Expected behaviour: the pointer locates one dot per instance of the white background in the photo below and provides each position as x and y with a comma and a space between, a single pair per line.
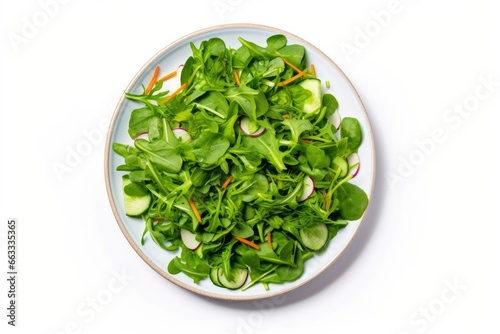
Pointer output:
432, 228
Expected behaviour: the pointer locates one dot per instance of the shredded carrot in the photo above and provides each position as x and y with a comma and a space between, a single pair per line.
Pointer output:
227, 182
269, 240
305, 141
286, 116
295, 77
153, 80
168, 76
327, 204
195, 210
313, 71
176, 92
293, 66
236, 77
248, 242
159, 219
324, 194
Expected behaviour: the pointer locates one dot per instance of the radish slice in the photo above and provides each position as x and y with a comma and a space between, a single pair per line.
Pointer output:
181, 134
189, 239
336, 119
245, 124
307, 190
353, 161
143, 135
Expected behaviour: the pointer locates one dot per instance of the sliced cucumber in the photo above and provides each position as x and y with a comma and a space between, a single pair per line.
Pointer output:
341, 163
214, 276
134, 205
313, 103
239, 278
314, 237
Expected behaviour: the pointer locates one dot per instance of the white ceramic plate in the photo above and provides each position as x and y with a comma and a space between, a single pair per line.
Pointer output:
169, 58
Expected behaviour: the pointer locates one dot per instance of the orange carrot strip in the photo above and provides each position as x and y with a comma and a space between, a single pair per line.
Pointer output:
305, 141
269, 240
227, 182
168, 76
195, 210
184, 85
324, 194
286, 116
159, 219
327, 204
295, 77
313, 71
247, 242
236, 77
153, 80
293, 66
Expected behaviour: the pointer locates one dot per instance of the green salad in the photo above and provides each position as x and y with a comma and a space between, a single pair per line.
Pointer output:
244, 168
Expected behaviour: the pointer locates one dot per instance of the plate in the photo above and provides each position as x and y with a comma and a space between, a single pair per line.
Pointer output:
176, 53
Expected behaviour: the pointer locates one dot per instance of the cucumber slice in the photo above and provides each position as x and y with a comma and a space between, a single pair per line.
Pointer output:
239, 278
314, 237
134, 205
214, 276
313, 103
341, 163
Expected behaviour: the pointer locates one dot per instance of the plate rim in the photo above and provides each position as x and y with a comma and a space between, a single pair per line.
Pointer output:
108, 144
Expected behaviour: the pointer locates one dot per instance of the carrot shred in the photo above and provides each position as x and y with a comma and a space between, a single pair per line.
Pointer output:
305, 141
269, 240
327, 204
184, 85
313, 71
153, 80
227, 182
324, 194
195, 210
248, 242
286, 116
159, 219
293, 66
236, 77
168, 76
295, 77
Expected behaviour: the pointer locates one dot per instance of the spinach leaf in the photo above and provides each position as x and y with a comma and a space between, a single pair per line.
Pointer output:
161, 154
353, 201
351, 130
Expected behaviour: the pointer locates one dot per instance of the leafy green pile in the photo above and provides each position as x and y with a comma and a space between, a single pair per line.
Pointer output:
223, 183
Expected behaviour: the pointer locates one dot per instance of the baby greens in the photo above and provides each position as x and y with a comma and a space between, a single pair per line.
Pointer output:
241, 194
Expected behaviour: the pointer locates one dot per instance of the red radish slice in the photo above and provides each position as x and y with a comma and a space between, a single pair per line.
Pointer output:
307, 190
181, 134
143, 135
336, 119
189, 239
353, 161
245, 124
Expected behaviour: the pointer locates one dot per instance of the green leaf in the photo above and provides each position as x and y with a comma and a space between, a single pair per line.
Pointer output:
351, 130
353, 201
209, 148
297, 127
161, 154
139, 121
266, 145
